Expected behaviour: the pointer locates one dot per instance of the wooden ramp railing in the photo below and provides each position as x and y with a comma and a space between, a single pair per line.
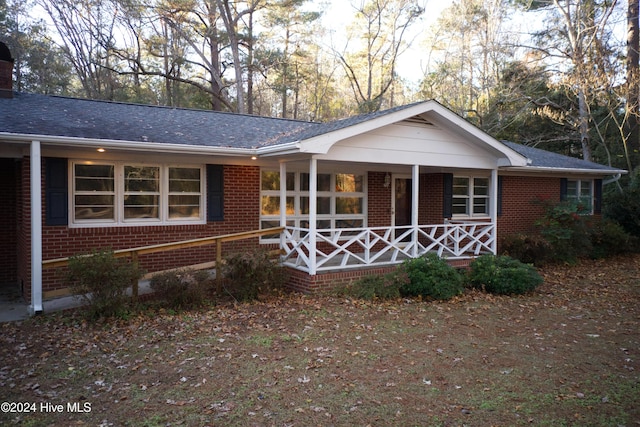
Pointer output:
135, 253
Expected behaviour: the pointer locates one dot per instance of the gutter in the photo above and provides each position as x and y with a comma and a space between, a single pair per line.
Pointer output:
64, 141
565, 170
273, 150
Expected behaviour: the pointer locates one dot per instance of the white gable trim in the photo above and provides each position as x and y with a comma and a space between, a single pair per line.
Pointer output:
433, 112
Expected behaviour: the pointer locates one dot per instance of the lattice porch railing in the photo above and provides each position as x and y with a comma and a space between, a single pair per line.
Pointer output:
345, 248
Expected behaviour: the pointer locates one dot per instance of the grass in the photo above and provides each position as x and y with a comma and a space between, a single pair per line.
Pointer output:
566, 355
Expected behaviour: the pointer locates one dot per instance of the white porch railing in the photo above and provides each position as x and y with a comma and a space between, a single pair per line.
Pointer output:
345, 248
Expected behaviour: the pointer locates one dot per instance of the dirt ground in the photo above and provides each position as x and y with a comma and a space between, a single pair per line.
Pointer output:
566, 355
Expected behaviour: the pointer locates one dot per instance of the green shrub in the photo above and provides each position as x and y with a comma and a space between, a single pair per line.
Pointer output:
247, 274
431, 276
624, 207
610, 238
101, 281
528, 248
182, 289
377, 286
566, 230
503, 275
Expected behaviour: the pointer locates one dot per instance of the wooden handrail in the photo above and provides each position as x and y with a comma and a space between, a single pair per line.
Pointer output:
134, 253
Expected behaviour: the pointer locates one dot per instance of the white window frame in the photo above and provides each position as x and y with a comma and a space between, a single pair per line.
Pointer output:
577, 197
298, 219
119, 196
470, 197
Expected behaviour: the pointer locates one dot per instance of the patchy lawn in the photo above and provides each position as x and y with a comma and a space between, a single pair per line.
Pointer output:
569, 354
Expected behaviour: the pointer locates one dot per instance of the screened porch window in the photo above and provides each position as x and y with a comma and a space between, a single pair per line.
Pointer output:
340, 200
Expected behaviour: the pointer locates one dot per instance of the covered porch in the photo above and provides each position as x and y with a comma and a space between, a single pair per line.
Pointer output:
403, 214
416, 180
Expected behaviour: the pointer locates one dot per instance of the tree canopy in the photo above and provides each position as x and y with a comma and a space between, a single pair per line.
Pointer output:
560, 75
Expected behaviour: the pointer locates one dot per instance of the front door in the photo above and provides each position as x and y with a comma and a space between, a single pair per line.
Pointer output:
401, 201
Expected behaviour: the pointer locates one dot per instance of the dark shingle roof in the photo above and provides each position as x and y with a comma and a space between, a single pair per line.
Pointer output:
322, 128
34, 114
81, 118
547, 159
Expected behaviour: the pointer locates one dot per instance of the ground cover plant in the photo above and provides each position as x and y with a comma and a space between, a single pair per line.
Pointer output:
565, 354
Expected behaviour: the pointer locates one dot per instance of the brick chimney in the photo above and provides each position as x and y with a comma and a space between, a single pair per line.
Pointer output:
6, 72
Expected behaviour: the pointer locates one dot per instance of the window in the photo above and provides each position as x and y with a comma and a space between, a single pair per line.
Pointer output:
340, 200
470, 196
580, 192
119, 193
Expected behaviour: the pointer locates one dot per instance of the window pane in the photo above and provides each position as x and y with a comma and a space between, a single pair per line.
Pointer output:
349, 223
184, 206
585, 189
324, 205
270, 205
304, 182
94, 207
141, 206
348, 205
481, 187
323, 224
572, 188
291, 181
460, 186
324, 182
460, 206
480, 205
348, 183
94, 177
184, 180
270, 180
141, 179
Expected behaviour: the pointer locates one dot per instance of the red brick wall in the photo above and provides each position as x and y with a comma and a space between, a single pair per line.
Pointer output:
241, 213
378, 200
520, 202
8, 222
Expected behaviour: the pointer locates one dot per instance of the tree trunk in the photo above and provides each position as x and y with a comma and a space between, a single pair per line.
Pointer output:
633, 83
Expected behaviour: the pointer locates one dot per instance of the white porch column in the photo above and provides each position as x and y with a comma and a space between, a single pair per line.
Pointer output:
494, 210
415, 199
36, 230
313, 207
283, 200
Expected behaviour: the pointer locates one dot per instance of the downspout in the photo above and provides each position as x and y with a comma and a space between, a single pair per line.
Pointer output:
613, 179
36, 230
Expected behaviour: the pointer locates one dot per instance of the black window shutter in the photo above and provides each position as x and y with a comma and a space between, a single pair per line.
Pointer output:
215, 193
563, 189
447, 195
597, 196
56, 192
499, 196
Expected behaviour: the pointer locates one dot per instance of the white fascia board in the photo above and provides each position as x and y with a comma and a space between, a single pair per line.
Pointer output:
155, 147
449, 118
564, 171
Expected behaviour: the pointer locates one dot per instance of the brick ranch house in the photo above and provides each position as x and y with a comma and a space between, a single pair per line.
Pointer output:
355, 195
